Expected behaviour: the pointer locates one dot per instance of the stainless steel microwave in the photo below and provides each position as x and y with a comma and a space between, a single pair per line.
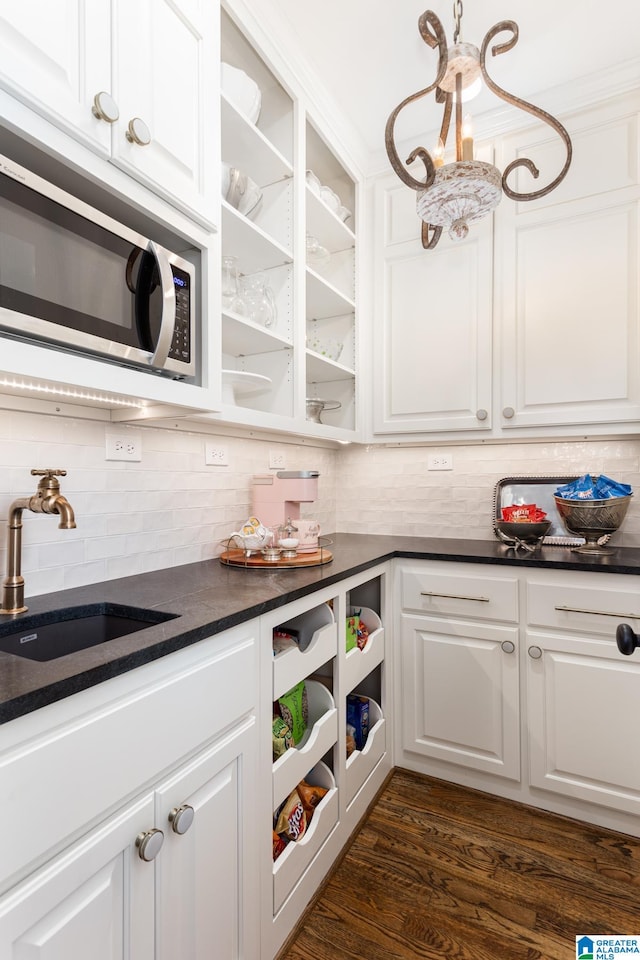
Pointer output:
70, 276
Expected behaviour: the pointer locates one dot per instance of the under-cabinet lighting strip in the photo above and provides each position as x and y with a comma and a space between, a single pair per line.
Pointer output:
68, 393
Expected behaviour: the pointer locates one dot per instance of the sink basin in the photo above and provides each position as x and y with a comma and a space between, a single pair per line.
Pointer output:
47, 636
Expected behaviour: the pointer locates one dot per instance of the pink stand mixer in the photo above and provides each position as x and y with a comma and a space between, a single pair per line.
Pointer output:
276, 498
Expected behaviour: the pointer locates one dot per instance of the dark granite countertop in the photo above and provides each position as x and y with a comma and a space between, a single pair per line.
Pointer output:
209, 598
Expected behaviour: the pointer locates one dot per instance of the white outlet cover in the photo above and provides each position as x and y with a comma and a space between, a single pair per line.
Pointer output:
123, 446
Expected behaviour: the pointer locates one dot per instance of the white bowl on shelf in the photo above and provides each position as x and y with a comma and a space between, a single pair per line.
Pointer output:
241, 90
313, 183
330, 199
239, 383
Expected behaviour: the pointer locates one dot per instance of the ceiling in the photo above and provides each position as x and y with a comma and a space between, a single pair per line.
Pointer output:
369, 54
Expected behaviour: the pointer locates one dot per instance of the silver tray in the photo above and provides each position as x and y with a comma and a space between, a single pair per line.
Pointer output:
538, 490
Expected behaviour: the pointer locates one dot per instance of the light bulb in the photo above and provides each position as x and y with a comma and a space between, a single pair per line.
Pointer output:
467, 138
438, 153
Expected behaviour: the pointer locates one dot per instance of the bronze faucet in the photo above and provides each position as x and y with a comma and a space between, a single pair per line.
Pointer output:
47, 499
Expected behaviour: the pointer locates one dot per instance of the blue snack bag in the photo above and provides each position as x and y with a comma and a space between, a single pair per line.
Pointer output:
580, 489
606, 488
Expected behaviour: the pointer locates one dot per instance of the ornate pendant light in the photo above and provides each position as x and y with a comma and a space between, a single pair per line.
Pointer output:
455, 194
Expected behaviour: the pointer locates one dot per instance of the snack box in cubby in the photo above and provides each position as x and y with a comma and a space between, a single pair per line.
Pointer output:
360, 663
320, 736
362, 763
298, 855
317, 638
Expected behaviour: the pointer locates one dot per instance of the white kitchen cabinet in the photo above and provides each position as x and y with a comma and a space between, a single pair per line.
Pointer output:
567, 279
269, 371
582, 692
530, 327
433, 323
289, 882
177, 740
459, 673
150, 61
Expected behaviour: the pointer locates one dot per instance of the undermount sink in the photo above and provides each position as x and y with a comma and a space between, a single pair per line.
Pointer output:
47, 636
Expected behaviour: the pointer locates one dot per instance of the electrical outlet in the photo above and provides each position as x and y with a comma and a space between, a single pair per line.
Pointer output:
123, 446
277, 460
215, 455
439, 461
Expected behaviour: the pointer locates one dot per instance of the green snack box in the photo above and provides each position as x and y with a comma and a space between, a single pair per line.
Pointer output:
353, 624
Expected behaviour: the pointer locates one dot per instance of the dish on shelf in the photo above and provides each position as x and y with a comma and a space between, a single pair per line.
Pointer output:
331, 348
239, 190
313, 183
241, 90
344, 213
239, 383
330, 199
316, 407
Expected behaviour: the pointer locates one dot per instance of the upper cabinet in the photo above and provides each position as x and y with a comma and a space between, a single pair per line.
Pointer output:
530, 326
288, 292
134, 82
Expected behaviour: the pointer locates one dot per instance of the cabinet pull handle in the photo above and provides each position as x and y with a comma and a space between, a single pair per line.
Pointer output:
481, 414
508, 413
599, 613
453, 596
535, 653
149, 844
105, 108
181, 818
138, 132
508, 646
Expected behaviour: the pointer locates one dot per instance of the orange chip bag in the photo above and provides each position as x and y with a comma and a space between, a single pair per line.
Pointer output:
520, 513
292, 820
310, 795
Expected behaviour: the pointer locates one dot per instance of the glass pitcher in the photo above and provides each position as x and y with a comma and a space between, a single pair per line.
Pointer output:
231, 299
257, 297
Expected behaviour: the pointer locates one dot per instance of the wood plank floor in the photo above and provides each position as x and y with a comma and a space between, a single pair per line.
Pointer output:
440, 871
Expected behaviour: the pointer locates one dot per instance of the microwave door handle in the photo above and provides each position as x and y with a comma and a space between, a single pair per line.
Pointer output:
168, 318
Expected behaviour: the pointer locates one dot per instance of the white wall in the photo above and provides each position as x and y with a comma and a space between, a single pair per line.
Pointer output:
389, 490
171, 509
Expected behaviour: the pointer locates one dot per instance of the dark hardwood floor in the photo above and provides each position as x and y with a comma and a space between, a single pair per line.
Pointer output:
440, 871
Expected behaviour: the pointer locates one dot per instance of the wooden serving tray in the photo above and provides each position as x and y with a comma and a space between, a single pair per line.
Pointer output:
237, 558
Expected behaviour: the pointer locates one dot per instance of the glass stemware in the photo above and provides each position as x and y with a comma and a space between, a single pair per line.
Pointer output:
231, 299
257, 297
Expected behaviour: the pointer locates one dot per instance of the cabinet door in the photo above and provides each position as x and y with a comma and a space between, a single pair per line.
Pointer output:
164, 74
432, 349
56, 58
460, 699
583, 700
567, 279
96, 899
206, 875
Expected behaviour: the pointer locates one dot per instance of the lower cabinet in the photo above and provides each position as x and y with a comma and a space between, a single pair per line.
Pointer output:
582, 693
172, 871
327, 755
509, 680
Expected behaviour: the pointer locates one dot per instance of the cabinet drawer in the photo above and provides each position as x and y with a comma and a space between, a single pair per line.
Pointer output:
360, 663
361, 763
292, 666
591, 606
482, 596
295, 859
320, 736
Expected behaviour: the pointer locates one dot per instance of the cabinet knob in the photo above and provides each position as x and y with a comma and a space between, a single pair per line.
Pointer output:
104, 107
149, 844
138, 132
626, 639
535, 653
508, 646
508, 413
481, 414
181, 818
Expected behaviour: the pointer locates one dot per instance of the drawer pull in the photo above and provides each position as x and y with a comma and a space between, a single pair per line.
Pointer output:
508, 646
600, 613
535, 653
181, 818
453, 596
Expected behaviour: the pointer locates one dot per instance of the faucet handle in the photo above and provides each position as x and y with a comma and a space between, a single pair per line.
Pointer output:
48, 473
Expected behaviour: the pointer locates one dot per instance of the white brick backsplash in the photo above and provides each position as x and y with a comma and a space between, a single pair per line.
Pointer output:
170, 508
